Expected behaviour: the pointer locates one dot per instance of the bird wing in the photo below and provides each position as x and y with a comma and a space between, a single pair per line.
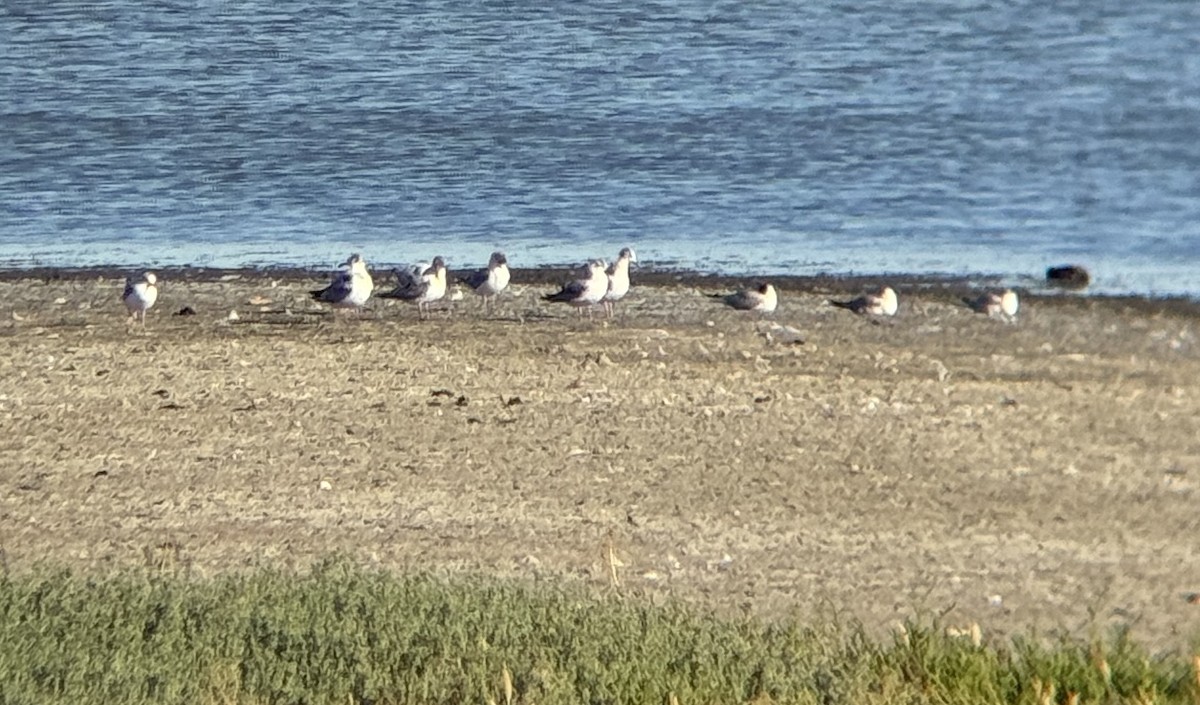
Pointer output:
741, 300
337, 290
858, 305
409, 285
979, 304
476, 279
406, 278
570, 291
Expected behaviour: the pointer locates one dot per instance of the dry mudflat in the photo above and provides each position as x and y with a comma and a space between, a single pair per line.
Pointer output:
1040, 475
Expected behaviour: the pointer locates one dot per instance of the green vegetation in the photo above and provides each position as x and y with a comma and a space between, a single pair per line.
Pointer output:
342, 634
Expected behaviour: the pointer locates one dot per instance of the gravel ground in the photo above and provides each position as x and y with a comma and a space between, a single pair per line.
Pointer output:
1037, 475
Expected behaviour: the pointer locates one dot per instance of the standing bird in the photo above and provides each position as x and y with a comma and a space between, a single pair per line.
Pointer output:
350, 288
881, 303
618, 280
421, 285
761, 297
584, 292
1002, 304
489, 282
139, 296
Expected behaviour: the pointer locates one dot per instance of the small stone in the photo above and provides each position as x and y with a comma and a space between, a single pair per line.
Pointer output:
1070, 276
326, 485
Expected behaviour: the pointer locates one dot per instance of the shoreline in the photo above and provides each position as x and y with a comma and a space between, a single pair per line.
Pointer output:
952, 286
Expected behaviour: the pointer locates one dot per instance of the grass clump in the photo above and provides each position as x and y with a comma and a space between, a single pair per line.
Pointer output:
341, 634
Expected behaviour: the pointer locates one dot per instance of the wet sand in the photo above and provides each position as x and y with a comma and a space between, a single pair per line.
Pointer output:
1038, 475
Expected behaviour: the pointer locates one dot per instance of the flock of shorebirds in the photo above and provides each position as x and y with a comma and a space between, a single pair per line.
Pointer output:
598, 284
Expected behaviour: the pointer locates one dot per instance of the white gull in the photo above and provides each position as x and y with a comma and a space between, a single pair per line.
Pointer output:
880, 303
585, 291
761, 297
998, 304
422, 285
488, 283
350, 287
618, 280
139, 295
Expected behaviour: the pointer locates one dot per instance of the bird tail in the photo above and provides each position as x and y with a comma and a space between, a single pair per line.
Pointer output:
848, 305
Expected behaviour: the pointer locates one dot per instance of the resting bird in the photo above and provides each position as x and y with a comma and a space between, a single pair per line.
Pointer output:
881, 303
140, 295
618, 280
350, 287
761, 297
489, 282
586, 291
422, 285
1002, 304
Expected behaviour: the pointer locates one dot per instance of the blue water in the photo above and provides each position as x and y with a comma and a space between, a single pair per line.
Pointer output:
815, 136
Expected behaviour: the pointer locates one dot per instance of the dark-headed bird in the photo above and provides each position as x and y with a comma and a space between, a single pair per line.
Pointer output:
583, 292
488, 283
879, 303
760, 297
618, 280
139, 295
350, 287
995, 304
421, 285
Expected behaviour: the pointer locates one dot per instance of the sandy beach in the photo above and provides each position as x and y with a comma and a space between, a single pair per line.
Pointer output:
1042, 474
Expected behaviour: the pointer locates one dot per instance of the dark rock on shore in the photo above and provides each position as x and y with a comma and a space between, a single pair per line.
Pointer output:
1071, 276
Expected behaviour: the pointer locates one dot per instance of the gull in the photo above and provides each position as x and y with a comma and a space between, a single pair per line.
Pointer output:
422, 285
618, 280
1002, 304
140, 295
760, 297
881, 303
586, 291
350, 287
489, 282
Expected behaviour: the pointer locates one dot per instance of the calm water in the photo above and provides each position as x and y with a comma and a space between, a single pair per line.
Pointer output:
813, 136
